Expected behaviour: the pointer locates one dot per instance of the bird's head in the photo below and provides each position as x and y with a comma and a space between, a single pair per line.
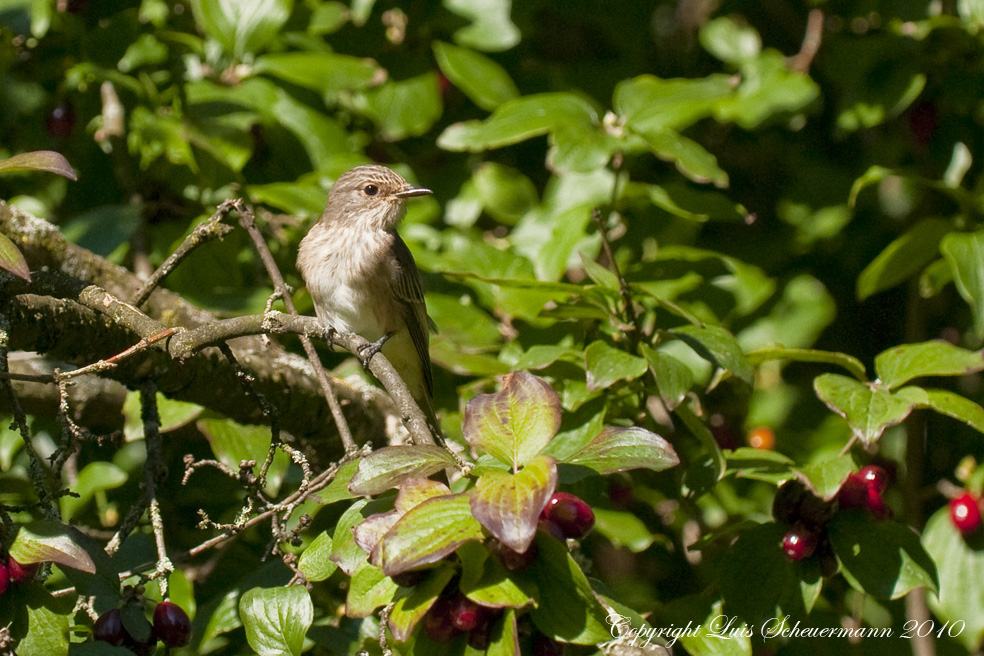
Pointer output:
371, 196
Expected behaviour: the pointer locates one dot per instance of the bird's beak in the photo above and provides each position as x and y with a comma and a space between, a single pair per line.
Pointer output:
410, 192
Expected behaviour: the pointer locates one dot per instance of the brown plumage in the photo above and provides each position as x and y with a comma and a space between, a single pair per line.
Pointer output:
362, 277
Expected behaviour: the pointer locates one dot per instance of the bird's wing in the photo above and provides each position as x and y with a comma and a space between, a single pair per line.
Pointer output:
410, 294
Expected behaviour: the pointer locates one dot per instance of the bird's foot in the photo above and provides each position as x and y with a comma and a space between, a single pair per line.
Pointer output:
367, 351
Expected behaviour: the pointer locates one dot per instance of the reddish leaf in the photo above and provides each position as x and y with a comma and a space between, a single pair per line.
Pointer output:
12, 259
38, 160
515, 424
412, 493
48, 541
509, 505
618, 449
387, 467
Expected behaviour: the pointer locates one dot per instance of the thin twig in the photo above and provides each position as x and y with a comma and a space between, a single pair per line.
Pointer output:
202, 234
154, 471
800, 62
248, 221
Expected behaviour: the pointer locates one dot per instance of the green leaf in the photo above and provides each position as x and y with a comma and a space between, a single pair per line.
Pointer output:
730, 41
327, 73
491, 28
276, 619
623, 529
965, 253
315, 563
509, 505
47, 623
567, 610
487, 84
953, 405
518, 120
768, 89
234, 443
960, 564
600, 274
413, 492
901, 364
49, 541
782, 587
515, 424
649, 103
882, 558
12, 260
691, 159
717, 346
368, 590
673, 378
826, 476
618, 449
849, 362
412, 605
344, 549
408, 108
906, 256
92, 479
242, 26
427, 534
686, 202
606, 365
387, 467
869, 410
495, 587
506, 194
760, 464
38, 160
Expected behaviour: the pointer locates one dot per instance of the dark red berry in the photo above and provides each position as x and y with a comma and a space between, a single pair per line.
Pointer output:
874, 477
853, 493
786, 503
466, 614
923, 121
814, 511
621, 494
437, 622
171, 624
544, 646
21, 573
725, 436
876, 505
571, 514
800, 542
551, 528
109, 628
515, 561
4, 576
965, 513
61, 121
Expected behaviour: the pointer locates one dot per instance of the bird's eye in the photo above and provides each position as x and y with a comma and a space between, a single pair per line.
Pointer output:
371, 190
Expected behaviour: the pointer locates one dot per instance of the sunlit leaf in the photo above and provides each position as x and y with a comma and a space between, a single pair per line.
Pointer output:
276, 619
39, 160
509, 505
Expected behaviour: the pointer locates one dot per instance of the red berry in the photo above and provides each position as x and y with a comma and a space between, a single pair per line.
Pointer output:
800, 542
21, 573
853, 493
481, 636
4, 576
874, 477
965, 513
789, 497
551, 528
762, 437
570, 514
466, 614
171, 624
621, 494
876, 505
109, 628
437, 621
544, 646
514, 560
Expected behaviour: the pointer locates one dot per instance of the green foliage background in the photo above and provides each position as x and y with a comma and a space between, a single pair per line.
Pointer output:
758, 203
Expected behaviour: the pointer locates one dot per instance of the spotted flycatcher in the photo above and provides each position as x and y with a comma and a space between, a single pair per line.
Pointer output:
362, 277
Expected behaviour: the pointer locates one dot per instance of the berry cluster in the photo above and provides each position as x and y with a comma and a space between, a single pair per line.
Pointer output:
171, 626
808, 514
13, 572
965, 513
565, 516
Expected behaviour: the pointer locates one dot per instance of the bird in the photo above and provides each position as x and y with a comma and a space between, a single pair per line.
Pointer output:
363, 279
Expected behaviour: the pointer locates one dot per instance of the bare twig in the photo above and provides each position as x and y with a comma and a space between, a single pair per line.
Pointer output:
153, 473
801, 61
202, 234
248, 221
